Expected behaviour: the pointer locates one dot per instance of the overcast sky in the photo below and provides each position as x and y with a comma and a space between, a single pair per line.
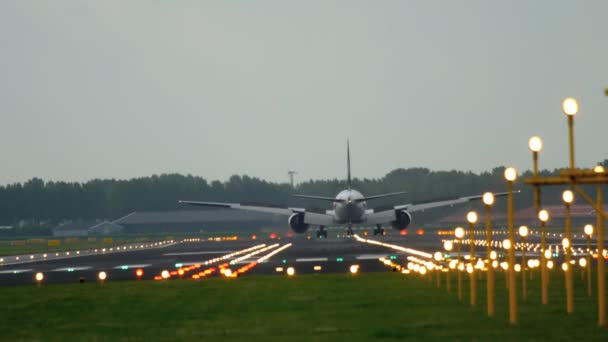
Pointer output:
121, 89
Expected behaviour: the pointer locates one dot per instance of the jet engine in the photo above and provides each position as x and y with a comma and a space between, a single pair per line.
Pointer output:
296, 222
402, 220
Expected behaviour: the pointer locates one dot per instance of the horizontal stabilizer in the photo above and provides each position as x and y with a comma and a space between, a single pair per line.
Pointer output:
380, 196
329, 199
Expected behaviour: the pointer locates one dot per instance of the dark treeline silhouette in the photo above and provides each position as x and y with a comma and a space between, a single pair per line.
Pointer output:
52, 202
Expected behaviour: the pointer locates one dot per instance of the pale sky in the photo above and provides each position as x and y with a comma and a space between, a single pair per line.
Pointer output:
121, 89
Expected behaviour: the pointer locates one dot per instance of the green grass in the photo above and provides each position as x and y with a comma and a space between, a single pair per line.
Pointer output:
7, 249
336, 307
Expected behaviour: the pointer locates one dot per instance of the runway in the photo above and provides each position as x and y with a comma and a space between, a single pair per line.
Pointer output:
333, 255
260, 256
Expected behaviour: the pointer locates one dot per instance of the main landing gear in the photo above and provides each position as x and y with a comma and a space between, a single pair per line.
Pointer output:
379, 230
349, 231
321, 233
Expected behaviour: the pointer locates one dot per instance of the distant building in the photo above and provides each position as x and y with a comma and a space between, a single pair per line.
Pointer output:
74, 228
70, 233
105, 228
199, 221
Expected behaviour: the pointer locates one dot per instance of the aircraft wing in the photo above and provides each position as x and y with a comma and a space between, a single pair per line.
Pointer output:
309, 218
443, 203
387, 216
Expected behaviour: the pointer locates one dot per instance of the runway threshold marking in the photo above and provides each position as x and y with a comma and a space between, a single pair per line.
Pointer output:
185, 270
395, 247
247, 256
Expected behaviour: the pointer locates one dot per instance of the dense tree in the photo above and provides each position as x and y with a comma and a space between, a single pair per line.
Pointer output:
39, 201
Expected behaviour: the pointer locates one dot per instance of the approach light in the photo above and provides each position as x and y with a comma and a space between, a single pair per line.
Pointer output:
102, 276
588, 230
570, 106
291, 271
568, 196
543, 216
547, 254
354, 269
459, 232
165, 274
488, 198
510, 174
438, 256
39, 277
523, 231
599, 169
550, 264
506, 244
517, 268
535, 144
566, 243
472, 217
582, 262
448, 245
493, 255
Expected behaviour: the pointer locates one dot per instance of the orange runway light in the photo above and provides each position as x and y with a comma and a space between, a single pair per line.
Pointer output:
253, 237
139, 273
403, 232
420, 231
272, 236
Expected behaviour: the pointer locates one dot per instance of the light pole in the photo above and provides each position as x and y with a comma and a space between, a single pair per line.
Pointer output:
448, 246
488, 201
601, 290
510, 176
588, 232
506, 244
472, 219
459, 233
535, 144
568, 197
570, 108
438, 256
543, 216
523, 232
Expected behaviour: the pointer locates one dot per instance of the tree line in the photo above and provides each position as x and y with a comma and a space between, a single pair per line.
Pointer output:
46, 201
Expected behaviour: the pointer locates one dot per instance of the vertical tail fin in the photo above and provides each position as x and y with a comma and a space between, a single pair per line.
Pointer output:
348, 183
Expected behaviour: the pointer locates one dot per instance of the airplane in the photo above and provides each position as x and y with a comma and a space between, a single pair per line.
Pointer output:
348, 207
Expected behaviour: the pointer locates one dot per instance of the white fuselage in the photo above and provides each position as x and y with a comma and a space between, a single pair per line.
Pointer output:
349, 207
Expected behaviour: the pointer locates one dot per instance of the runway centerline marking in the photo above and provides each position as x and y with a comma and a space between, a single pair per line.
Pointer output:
71, 269
370, 256
131, 266
16, 271
311, 259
